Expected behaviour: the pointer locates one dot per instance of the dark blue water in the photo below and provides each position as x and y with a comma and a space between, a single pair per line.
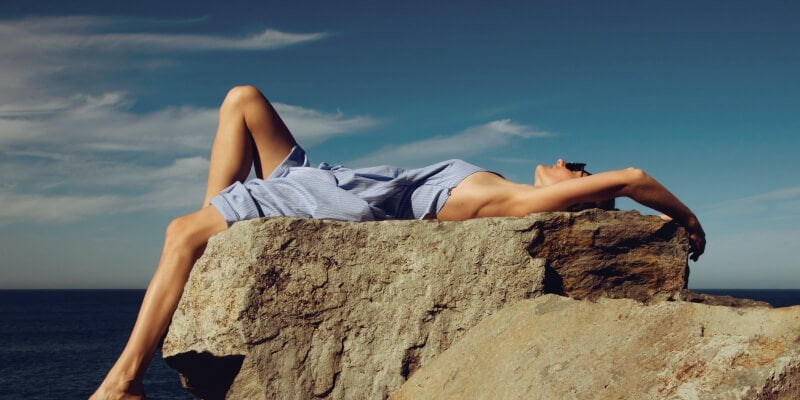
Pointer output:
60, 343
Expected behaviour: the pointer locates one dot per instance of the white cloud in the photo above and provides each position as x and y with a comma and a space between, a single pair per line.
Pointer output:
786, 200
38, 51
104, 123
43, 114
69, 152
39, 208
117, 188
312, 127
470, 141
74, 150
62, 33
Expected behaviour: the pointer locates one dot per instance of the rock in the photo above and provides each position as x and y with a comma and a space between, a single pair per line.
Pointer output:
611, 254
305, 308
716, 300
553, 347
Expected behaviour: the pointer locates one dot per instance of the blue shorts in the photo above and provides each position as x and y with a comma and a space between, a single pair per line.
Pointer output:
337, 192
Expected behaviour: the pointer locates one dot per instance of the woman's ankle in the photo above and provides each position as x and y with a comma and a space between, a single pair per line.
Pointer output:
130, 366
130, 386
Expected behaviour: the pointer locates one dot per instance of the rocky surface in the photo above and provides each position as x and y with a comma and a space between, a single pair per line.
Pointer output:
715, 300
553, 347
303, 308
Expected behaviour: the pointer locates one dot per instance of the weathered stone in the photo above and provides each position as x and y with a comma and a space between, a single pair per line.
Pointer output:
611, 254
716, 300
553, 347
304, 308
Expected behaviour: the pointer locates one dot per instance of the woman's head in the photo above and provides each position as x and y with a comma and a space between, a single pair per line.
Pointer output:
545, 175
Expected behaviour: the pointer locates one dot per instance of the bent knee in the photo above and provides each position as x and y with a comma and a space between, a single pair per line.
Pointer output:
179, 232
242, 94
196, 228
187, 231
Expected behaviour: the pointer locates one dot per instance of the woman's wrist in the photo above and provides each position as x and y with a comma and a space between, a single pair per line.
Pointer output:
692, 224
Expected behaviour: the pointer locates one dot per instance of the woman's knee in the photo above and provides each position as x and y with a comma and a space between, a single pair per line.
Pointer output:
243, 94
179, 233
193, 230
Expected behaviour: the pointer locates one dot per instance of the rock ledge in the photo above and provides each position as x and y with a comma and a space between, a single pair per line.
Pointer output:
304, 308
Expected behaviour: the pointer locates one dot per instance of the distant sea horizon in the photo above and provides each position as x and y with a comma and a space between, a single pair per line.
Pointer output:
69, 338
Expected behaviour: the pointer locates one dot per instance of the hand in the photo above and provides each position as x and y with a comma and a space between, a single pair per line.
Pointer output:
697, 238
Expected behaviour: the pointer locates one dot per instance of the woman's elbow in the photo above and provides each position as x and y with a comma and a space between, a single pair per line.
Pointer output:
633, 178
636, 174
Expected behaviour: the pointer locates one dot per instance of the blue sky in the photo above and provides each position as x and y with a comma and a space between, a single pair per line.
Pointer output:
107, 112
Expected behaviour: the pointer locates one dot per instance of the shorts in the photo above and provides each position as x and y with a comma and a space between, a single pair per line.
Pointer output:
336, 192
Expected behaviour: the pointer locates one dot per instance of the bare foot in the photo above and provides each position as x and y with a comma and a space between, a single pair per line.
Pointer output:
125, 390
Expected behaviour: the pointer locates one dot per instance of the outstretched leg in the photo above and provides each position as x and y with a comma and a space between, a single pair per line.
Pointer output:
184, 243
250, 131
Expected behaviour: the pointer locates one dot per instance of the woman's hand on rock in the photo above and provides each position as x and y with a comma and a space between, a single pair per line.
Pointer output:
697, 238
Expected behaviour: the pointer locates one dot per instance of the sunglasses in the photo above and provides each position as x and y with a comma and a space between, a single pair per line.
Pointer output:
576, 166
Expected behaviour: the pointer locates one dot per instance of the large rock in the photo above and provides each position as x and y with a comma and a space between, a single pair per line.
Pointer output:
304, 308
553, 347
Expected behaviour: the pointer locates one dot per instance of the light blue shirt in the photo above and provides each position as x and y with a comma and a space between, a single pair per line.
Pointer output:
336, 192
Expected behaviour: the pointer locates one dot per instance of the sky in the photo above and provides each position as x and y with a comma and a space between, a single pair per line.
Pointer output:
108, 111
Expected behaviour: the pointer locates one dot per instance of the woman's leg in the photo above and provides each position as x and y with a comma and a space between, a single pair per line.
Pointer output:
250, 131
184, 243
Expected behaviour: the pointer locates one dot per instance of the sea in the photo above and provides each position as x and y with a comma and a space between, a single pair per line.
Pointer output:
59, 344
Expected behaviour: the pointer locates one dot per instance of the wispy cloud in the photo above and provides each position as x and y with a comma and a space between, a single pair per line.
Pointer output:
39, 208
71, 151
62, 33
77, 150
494, 134
786, 199
313, 126
109, 189
104, 123
38, 51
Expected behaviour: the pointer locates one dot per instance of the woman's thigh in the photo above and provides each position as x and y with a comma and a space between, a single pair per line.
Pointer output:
482, 194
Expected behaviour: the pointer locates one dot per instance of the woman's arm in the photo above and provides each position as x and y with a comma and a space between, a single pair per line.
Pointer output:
629, 182
647, 191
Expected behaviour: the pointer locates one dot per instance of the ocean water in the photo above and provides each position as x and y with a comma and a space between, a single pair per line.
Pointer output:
59, 344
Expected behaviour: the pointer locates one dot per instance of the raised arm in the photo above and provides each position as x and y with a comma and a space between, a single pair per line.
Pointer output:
629, 182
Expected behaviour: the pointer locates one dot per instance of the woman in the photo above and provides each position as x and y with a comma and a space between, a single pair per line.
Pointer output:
251, 132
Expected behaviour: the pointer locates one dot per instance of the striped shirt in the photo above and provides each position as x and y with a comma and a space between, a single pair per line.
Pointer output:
336, 192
